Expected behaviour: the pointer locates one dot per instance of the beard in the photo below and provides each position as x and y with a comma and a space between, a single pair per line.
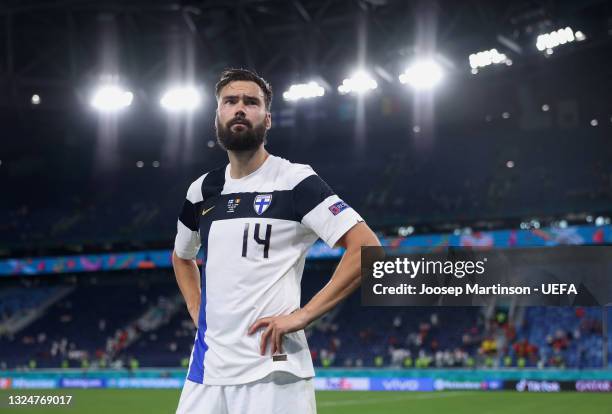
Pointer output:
248, 139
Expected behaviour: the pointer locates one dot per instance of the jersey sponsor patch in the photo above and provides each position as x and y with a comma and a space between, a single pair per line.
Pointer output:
279, 358
338, 207
261, 203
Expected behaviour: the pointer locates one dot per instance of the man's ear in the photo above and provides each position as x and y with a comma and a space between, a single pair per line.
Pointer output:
268, 120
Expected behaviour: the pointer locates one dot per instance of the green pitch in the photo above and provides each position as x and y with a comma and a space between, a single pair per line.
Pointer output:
455, 402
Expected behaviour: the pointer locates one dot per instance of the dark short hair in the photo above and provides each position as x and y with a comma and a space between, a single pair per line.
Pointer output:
231, 75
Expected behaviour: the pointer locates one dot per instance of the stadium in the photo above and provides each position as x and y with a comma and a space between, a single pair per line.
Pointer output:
455, 129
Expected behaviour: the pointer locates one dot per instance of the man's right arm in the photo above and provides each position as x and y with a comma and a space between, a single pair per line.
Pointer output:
186, 247
188, 279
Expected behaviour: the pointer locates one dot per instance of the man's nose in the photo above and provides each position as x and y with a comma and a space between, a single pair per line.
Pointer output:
240, 113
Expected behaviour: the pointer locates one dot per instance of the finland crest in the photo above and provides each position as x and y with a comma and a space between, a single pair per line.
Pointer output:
261, 203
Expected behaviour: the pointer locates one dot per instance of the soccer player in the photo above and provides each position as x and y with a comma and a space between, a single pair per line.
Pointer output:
255, 220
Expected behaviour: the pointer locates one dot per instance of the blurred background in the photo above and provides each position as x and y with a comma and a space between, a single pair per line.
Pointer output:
442, 122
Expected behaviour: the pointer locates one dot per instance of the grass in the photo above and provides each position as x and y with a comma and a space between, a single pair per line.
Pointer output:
355, 402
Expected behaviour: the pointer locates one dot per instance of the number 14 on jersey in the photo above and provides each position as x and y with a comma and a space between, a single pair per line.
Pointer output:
265, 242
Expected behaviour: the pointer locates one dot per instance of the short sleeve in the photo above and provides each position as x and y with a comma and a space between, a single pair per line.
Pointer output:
187, 242
322, 211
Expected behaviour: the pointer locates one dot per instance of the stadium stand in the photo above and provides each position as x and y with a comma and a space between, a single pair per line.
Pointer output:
137, 318
408, 186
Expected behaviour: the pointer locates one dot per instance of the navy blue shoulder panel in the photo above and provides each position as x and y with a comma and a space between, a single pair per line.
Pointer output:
211, 185
308, 194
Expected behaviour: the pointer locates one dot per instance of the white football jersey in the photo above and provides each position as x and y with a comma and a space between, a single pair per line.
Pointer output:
254, 232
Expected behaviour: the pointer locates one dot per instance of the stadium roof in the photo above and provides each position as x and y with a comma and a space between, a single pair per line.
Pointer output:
65, 43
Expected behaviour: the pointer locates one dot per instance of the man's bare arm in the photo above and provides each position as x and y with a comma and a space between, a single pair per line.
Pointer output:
188, 278
343, 282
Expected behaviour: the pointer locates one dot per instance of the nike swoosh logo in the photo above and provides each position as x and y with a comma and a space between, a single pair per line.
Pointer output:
207, 210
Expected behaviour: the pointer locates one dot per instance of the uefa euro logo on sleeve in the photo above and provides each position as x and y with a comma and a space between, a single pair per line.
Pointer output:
338, 207
261, 203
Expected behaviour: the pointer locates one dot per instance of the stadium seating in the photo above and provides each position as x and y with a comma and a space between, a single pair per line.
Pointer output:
580, 331
78, 327
90, 326
396, 184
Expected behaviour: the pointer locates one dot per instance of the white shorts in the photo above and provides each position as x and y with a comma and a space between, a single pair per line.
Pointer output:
278, 393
